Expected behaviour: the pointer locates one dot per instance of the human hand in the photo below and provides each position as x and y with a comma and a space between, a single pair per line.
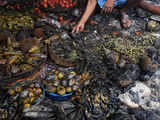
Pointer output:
78, 27
108, 6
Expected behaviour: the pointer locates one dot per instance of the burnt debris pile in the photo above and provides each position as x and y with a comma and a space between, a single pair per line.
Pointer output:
103, 73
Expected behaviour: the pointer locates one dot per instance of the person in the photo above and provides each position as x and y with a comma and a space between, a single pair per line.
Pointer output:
108, 6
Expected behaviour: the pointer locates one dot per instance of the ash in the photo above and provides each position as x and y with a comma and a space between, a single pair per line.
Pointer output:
123, 68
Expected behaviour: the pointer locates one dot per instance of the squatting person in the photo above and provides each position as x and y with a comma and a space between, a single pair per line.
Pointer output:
108, 6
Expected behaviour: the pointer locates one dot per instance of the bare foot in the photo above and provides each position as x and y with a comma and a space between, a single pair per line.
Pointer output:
125, 21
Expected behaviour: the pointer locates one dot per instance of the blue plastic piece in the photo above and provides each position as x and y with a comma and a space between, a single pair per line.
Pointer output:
51, 77
57, 97
117, 2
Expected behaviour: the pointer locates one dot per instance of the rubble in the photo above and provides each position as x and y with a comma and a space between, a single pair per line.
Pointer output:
146, 95
136, 96
104, 72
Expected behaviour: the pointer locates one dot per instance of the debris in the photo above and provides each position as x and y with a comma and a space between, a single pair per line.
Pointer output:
155, 17
76, 12
135, 97
93, 22
82, 76
52, 22
152, 25
38, 32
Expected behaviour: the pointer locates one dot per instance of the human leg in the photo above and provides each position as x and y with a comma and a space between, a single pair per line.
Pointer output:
150, 7
125, 21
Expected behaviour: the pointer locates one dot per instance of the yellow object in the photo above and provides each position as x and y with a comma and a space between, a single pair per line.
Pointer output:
53, 70
79, 90
60, 75
31, 59
97, 99
12, 53
116, 58
108, 115
56, 77
61, 90
18, 89
11, 92
13, 59
32, 99
73, 73
34, 89
56, 72
47, 41
85, 75
80, 76
69, 89
31, 94
26, 105
34, 49
152, 24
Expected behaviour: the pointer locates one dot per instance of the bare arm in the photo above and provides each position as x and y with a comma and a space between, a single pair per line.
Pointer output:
89, 10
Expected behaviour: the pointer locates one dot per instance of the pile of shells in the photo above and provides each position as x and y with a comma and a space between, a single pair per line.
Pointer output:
28, 93
62, 50
62, 81
15, 21
134, 47
116, 59
17, 57
93, 101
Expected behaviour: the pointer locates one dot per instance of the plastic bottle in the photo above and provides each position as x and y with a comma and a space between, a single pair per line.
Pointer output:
52, 21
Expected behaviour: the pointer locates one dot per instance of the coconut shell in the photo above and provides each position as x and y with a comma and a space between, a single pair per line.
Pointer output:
28, 43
